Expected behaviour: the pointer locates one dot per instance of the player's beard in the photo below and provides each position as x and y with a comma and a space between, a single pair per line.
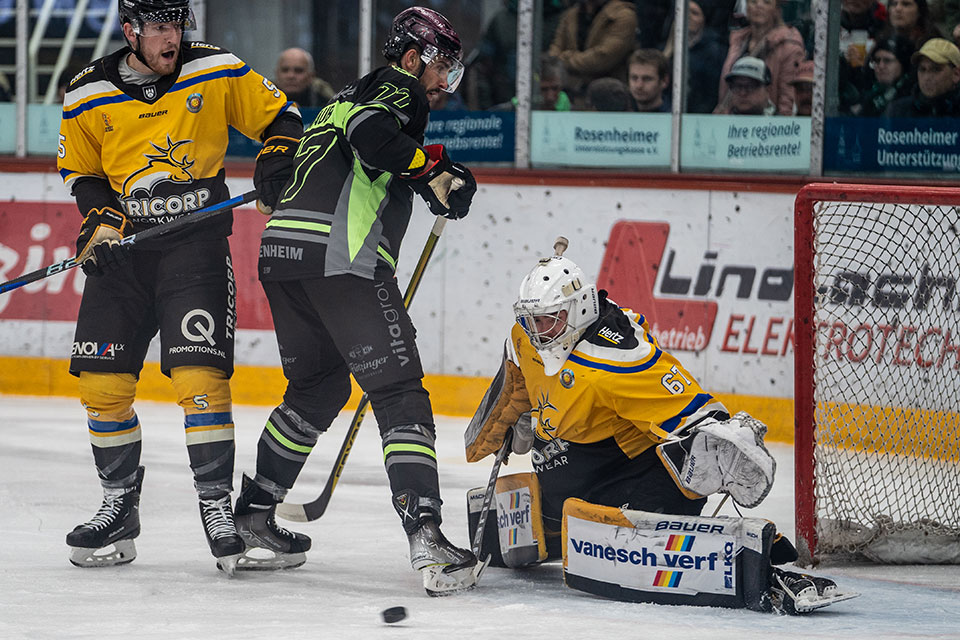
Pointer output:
163, 64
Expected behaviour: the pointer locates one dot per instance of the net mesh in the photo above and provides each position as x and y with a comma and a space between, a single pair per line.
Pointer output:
887, 382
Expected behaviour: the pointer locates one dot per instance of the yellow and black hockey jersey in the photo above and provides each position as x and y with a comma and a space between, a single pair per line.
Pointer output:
617, 395
161, 146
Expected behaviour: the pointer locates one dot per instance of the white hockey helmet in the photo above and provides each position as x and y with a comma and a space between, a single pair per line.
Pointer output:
556, 285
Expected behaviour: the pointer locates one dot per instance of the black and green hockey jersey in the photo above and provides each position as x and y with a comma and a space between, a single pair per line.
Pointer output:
346, 207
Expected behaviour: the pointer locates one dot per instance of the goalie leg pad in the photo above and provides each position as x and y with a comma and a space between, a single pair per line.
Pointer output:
640, 556
513, 536
727, 457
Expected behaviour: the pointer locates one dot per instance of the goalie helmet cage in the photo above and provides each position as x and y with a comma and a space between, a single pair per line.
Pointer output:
877, 373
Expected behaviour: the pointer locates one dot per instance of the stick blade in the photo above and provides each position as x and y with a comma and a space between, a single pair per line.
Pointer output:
292, 512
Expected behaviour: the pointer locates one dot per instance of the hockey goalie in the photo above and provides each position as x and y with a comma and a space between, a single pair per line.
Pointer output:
626, 446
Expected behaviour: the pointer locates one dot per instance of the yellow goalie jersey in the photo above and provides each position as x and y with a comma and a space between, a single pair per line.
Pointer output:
160, 146
617, 395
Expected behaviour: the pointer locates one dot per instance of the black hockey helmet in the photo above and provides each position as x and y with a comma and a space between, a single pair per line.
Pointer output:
139, 12
432, 34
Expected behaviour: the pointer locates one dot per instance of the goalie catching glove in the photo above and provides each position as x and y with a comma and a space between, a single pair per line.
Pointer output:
447, 187
727, 457
274, 168
98, 245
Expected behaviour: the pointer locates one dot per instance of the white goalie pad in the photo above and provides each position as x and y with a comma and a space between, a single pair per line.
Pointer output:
653, 557
722, 457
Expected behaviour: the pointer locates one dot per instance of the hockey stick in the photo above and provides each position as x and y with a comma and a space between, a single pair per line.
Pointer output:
314, 509
153, 232
488, 494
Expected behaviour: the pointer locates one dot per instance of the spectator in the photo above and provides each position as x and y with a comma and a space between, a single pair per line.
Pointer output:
495, 64
552, 97
296, 76
780, 47
652, 18
862, 23
890, 63
593, 40
608, 94
748, 92
705, 54
938, 74
718, 17
803, 89
911, 19
6, 95
649, 77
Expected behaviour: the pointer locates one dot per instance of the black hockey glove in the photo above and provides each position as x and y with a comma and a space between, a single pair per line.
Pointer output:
98, 246
274, 168
447, 187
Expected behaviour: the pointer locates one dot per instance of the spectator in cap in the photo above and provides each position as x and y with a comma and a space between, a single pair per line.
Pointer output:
893, 79
938, 76
766, 37
748, 92
803, 89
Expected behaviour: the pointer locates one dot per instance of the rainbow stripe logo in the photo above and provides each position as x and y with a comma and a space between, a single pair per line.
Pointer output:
668, 578
680, 543
515, 500
512, 537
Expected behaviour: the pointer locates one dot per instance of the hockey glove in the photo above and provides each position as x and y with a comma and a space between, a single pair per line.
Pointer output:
98, 245
447, 187
274, 168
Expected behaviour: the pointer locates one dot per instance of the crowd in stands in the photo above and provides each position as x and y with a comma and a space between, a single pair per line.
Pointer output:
897, 57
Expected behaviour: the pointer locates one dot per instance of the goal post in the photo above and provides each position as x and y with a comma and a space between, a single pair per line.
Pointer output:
877, 373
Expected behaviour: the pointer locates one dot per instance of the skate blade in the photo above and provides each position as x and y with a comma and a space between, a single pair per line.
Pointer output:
228, 564
122, 552
806, 606
256, 559
439, 582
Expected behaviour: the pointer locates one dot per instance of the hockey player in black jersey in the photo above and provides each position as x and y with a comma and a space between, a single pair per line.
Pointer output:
142, 141
327, 262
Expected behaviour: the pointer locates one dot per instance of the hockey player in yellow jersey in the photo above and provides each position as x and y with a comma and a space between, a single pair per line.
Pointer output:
619, 432
142, 142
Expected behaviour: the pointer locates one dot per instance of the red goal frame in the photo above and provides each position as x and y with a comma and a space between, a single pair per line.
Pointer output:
804, 403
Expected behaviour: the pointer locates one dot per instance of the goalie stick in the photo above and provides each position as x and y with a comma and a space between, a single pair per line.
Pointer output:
315, 508
153, 232
488, 496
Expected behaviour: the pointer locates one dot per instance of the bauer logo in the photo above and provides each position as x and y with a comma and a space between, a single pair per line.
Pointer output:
96, 350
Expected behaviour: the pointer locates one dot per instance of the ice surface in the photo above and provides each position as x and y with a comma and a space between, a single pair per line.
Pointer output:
358, 565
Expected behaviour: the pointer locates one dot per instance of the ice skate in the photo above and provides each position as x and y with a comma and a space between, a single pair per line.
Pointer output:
798, 593
269, 546
446, 569
221, 531
107, 539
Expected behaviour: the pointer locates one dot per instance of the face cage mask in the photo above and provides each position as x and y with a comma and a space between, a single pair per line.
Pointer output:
185, 17
432, 55
526, 318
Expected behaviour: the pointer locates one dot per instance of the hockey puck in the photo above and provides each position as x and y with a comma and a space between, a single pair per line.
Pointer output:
394, 614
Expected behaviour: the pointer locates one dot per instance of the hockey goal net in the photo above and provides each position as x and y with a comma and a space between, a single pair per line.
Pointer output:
877, 373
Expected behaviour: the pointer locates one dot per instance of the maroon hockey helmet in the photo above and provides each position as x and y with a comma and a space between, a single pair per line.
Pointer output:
433, 34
